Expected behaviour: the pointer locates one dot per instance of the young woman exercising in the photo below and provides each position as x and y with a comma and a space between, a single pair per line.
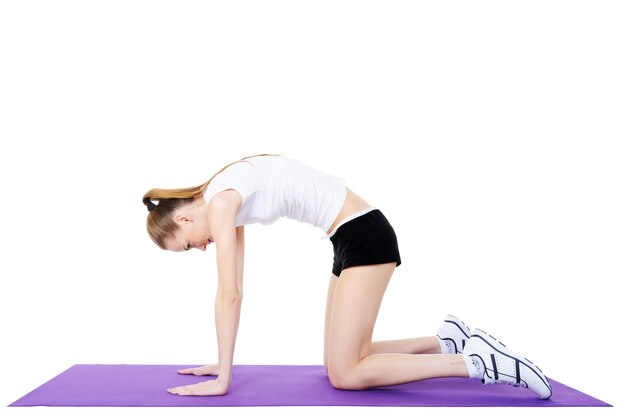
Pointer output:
263, 188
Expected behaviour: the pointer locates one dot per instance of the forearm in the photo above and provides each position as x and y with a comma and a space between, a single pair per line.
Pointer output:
227, 311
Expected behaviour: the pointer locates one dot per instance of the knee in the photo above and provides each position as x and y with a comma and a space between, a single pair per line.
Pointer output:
344, 378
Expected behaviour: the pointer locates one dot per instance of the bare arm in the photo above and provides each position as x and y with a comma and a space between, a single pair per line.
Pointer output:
229, 241
229, 294
240, 256
213, 369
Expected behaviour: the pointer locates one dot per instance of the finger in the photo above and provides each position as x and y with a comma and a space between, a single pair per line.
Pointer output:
188, 370
181, 391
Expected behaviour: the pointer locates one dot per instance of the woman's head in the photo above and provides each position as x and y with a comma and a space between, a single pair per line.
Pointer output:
175, 223
177, 217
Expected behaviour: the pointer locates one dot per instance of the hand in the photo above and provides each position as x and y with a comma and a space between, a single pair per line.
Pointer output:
207, 388
205, 370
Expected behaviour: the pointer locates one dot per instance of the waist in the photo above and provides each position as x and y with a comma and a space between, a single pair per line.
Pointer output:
350, 217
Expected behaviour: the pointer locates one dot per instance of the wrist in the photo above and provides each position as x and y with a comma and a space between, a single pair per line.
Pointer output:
225, 380
225, 369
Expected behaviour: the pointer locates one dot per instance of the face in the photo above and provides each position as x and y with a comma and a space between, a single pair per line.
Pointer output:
193, 228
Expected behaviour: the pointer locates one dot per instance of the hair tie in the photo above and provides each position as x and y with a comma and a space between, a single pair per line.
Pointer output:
151, 205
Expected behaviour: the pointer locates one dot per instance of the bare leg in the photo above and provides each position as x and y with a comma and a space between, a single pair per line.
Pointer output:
351, 362
422, 345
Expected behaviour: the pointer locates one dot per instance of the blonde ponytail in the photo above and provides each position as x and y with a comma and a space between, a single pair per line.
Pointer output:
160, 225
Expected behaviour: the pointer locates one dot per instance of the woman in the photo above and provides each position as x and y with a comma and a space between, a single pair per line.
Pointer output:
263, 188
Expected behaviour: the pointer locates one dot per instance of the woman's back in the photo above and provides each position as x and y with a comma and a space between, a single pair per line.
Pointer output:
277, 186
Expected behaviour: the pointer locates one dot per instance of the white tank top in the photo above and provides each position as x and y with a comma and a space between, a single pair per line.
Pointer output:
277, 186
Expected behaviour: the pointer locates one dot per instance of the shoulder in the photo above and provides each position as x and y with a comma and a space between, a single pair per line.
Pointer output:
228, 200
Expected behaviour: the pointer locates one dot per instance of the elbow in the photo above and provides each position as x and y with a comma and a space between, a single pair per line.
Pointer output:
230, 297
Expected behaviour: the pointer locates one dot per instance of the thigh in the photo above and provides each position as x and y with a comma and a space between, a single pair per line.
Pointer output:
357, 299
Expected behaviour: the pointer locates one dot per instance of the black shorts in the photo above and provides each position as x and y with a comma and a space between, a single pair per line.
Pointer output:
366, 239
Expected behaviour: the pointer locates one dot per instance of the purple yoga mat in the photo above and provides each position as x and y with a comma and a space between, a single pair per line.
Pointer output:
276, 385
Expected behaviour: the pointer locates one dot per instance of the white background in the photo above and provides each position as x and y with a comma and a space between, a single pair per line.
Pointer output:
490, 134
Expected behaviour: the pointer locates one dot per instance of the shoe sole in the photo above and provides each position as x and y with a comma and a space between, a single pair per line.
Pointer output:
462, 327
490, 340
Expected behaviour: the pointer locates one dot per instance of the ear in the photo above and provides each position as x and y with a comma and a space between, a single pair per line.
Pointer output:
181, 219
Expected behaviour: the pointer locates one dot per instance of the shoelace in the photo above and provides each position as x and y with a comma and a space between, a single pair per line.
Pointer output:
496, 374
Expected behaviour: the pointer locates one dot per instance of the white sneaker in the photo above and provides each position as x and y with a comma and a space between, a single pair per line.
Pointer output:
498, 364
455, 333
